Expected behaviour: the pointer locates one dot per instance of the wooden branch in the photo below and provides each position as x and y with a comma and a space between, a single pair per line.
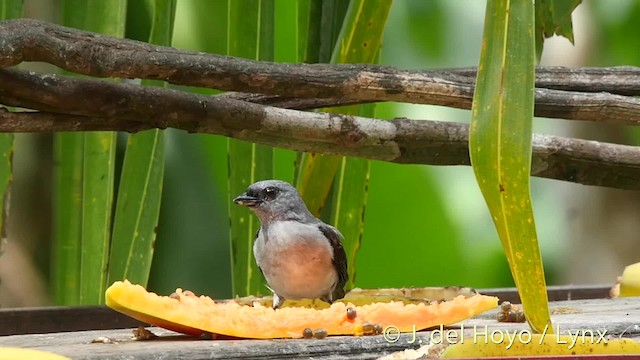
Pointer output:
103, 56
621, 80
113, 106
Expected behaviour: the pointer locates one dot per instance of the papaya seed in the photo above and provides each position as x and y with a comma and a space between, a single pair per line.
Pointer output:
320, 334
505, 306
307, 333
368, 328
502, 317
351, 313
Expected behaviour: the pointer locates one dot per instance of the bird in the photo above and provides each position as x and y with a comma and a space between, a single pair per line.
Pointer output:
300, 256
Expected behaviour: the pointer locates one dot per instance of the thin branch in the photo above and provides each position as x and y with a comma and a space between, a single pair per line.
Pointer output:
102, 56
111, 106
621, 80
401, 141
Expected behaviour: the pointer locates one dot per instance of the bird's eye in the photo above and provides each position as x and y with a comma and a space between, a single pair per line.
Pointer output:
270, 193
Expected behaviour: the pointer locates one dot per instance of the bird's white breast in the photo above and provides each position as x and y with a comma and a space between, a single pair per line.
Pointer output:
296, 260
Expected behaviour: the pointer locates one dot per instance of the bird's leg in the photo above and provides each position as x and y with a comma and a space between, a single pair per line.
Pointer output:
277, 301
327, 298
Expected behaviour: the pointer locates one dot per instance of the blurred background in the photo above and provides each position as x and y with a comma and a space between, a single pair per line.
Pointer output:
424, 225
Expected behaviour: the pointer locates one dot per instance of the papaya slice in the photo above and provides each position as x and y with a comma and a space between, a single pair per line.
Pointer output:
190, 314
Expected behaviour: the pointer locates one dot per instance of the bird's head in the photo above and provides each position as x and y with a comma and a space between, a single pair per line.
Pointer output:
274, 200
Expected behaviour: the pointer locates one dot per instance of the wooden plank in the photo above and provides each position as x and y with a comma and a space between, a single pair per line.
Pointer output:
57, 319
618, 317
555, 293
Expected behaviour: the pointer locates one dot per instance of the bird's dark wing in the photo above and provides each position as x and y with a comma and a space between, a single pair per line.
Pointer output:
339, 258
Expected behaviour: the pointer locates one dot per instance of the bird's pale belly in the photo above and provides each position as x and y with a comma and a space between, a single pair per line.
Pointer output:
301, 270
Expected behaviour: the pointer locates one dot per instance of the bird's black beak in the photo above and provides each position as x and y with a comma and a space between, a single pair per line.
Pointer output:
246, 200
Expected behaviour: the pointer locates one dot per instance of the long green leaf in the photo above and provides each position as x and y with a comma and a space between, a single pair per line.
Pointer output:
308, 14
359, 42
351, 189
250, 35
308, 17
349, 200
96, 161
67, 218
137, 208
140, 191
314, 173
97, 191
361, 35
500, 145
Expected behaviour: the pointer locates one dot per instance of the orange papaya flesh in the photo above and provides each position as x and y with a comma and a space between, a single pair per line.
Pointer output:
190, 314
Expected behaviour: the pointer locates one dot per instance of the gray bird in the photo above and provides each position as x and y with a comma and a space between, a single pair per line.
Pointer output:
300, 256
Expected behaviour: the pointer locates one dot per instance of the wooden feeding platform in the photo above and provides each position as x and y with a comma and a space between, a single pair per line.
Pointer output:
101, 333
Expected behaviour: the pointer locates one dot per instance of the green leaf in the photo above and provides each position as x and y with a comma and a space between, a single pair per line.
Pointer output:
140, 192
349, 201
358, 42
97, 199
314, 173
500, 145
250, 35
361, 35
67, 217
308, 13
67, 199
553, 17
96, 160
315, 177
332, 20
11, 9
308, 20
137, 208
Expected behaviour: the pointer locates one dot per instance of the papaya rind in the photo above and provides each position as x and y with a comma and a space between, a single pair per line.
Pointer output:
193, 315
